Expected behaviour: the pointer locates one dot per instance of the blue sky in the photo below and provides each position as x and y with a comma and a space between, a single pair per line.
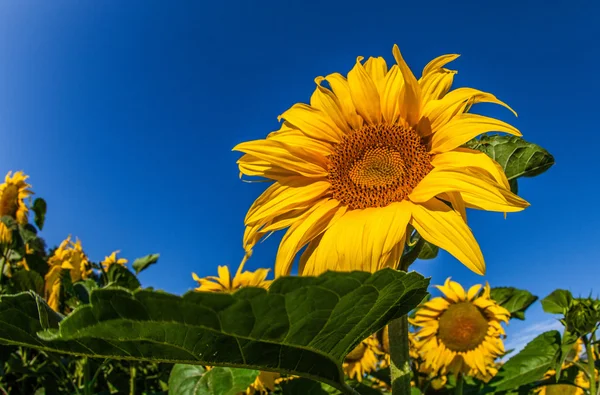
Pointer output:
125, 113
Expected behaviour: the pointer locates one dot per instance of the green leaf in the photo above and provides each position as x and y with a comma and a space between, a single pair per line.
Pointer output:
144, 262
516, 301
566, 350
517, 157
83, 289
39, 208
558, 302
302, 386
28, 280
428, 251
195, 380
121, 276
514, 185
530, 364
301, 326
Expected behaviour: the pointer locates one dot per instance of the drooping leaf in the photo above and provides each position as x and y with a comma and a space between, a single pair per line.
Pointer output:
121, 276
83, 289
144, 262
558, 302
28, 280
195, 380
39, 208
530, 364
301, 326
516, 301
517, 157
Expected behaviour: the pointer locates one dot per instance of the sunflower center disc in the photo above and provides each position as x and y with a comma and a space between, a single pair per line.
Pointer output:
377, 165
9, 201
357, 353
462, 327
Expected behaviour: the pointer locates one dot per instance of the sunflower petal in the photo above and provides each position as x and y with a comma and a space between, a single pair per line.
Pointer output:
367, 240
436, 80
463, 128
315, 222
390, 97
313, 122
326, 101
476, 191
442, 226
464, 157
364, 93
411, 92
377, 69
339, 86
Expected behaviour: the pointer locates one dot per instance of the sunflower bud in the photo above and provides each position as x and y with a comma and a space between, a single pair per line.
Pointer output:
583, 316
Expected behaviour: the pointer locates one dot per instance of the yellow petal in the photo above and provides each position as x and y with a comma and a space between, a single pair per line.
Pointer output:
442, 226
438, 304
436, 80
366, 240
464, 157
341, 89
278, 199
439, 112
313, 122
476, 191
463, 128
411, 92
377, 69
316, 221
295, 138
448, 291
364, 93
326, 101
436, 64
224, 276
302, 161
457, 202
390, 97
458, 290
473, 291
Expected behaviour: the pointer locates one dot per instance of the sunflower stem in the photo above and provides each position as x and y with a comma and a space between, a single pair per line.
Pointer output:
399, 359
132, 378
459, 384
591, 365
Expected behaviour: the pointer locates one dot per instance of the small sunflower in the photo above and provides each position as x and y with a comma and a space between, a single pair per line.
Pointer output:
5, 234
112, 260
68, 256
377, 152
363, 359
224, 282
13, 193
460, 332
264, 383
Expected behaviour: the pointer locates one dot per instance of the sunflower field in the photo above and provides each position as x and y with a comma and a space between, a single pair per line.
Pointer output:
375, 173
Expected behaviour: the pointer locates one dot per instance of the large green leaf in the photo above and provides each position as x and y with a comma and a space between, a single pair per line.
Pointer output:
558, 302
28, 280
301, 325
530, 364
195, 380
144, 262
517, 157
121, 276
514, 300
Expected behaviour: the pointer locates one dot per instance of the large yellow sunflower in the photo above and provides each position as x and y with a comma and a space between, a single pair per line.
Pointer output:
68, 256
13, 193
363, 359
379, 151
460, 332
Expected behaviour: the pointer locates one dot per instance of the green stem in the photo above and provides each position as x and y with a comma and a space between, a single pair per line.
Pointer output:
87, 387
591, 366
132, 374
399, 359
459, 384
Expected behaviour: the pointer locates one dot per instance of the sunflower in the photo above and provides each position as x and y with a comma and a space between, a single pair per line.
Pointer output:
264, 382
5, 234
13, 193
68, 256
224, 282
363, 359
460, 332
112, 260
378, 151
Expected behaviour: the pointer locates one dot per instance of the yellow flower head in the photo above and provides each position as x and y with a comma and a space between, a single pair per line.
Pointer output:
5, 234
224, 282
375, 152
13, 193
264, 383
68, 256
112, 260
363, 359
460, 332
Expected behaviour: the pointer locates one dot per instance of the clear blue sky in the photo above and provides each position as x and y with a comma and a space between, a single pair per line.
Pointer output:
125, 113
